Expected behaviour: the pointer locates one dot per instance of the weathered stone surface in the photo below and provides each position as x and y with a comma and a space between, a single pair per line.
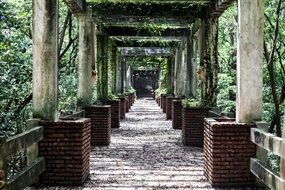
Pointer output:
76, 6
249, 60
45, 59
85, 52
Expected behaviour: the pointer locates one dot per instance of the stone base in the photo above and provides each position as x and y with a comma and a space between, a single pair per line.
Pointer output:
163, 102
115, 112
177, 114
127, 104
122, 107
158, 101
66, 149
169, 107
193, 126
130, 100
100, 124
227, 149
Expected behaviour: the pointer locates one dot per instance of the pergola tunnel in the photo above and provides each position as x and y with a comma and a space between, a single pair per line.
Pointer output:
147, 93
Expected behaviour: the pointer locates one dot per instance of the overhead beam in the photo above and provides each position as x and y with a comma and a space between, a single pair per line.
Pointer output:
145, 20
190, 9
135, 31
221, 6
147, 51
76, 6
136, 41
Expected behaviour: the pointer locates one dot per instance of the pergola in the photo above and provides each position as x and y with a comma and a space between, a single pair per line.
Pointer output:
191, 26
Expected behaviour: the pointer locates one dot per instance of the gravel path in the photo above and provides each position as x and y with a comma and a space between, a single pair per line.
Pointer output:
145, 153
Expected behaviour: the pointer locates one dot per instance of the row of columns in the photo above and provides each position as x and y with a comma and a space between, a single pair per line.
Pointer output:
45, 61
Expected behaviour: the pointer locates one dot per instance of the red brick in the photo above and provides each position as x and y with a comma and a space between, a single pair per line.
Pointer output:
227, 155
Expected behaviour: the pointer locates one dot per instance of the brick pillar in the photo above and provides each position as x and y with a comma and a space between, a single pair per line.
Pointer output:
227, 149
127, 104
164, 103
193, 126
169, 106
115, 112
130, 100
100, 124
66, 148
177, 114
122, 107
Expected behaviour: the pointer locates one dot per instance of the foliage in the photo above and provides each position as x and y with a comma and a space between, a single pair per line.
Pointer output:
226, 100
16, 64
160, 91
187, 103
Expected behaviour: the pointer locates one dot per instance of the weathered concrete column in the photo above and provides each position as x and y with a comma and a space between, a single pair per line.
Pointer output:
85, 57
210, 62
249, 60
169, 76
175, 78
180, 70
102, 66
123, 74
191, 69
119, 75
178, 66
172, 59
128, 78
45, 59
114, 60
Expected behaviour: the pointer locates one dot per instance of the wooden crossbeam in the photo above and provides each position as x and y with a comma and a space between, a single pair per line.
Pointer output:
76, 6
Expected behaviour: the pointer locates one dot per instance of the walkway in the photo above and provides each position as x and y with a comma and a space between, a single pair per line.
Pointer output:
145, 153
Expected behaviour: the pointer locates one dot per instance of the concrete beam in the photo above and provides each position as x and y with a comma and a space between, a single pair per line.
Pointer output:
137, 31
221, 6
146, 51
250, 60
267, 176
144, 20
45, 59
76, 6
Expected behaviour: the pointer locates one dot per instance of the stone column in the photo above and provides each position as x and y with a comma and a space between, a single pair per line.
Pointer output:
172, 59
175, 78
45, 59
249, 60
128, 77
85, 57
210, 62
114, 60
119, 75
123, 75
102, 66
169, 76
